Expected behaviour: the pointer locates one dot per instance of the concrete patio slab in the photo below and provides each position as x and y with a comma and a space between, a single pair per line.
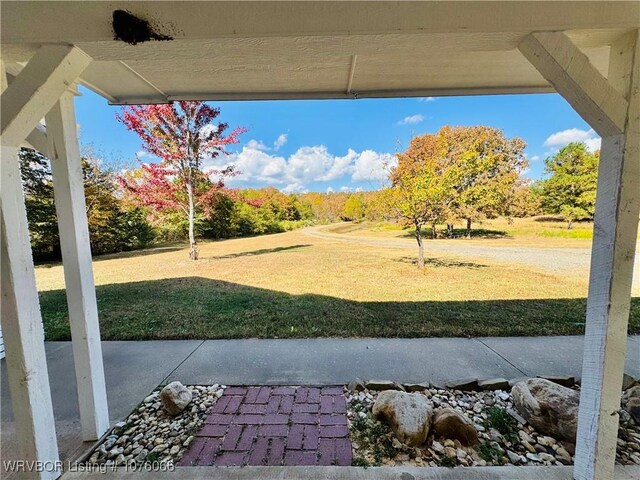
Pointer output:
337, 361
554, 355
132, 369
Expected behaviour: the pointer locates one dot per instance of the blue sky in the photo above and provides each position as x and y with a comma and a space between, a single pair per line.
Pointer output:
327, 145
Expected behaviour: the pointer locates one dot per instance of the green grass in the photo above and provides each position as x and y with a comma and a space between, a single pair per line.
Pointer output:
188, 308
504, 423
566, 234
292, 285
488, 452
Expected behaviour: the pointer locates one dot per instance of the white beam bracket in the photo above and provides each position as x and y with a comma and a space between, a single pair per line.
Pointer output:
565, 67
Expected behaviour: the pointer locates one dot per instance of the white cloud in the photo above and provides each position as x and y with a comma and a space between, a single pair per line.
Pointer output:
257, 145
208, 129
141, 153
341, 166
593, 144
280, 141
535, 158
330, 190
427, 99
308, 164
371, 165
411, 119
253, 163
345, 189
295, 188
564, 137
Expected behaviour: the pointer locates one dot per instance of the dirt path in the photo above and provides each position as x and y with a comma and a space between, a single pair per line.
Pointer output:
565, 261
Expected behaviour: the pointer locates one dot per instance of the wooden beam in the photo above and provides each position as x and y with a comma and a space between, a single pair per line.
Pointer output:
612, 257
22, 329
565, 67
38, 86
68, 185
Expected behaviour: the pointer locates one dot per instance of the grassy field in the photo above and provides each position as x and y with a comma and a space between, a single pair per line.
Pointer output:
545, 232
296, 285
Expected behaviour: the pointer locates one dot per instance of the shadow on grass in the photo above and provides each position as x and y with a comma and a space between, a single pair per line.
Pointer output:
441, 262
143, 252
476, 233
252, 253
195, 307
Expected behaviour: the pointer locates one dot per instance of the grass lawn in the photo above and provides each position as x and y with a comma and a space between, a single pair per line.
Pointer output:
296, 285
544, 232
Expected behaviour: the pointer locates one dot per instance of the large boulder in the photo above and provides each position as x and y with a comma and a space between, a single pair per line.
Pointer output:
450, 423
631, 402
550, 408
175, 397
408, 415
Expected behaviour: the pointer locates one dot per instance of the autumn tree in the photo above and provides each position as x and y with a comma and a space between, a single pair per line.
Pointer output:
489, 165
524, 200
571, 188
423, 185
182, 135
354, 207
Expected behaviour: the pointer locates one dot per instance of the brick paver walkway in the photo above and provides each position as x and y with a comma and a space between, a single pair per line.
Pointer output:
274, 426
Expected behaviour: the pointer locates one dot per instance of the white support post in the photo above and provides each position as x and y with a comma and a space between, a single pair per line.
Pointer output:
612, 257
68, 188
22, 330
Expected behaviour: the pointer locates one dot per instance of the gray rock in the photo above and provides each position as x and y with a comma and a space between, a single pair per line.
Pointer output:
516, 416
450, 423
631, 402
110, 442
549, 407
513, 457
564, 380
416, 387
533, 457
627, 382
356, 385
175, 397
379, 385
408, 414
546, 457
437, 447
142, 456
563, 456
465, 384
493, 384
513, 381
115, 451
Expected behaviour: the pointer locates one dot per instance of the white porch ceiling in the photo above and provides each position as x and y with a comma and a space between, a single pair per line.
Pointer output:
281, 50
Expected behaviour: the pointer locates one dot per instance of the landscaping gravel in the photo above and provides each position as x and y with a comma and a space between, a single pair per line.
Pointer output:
150, 434
503, 439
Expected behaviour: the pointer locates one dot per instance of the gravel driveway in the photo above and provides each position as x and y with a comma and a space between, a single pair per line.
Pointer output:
567, 261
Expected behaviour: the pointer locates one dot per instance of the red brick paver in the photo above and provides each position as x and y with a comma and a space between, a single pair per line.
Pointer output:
274, 426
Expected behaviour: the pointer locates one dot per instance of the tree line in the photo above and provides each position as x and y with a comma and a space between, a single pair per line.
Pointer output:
457, 174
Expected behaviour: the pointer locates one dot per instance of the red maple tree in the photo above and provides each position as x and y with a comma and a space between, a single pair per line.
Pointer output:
182, 135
